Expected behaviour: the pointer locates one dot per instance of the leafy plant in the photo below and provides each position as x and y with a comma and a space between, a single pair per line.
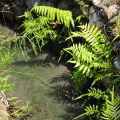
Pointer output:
4, 85
93, 54
37, 32
62, 16
89, 110
95, 93
109, 110
6, 58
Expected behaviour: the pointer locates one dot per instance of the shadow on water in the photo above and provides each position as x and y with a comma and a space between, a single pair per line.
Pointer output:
45, 60
50, 102
58, 92
42, 81
31, 79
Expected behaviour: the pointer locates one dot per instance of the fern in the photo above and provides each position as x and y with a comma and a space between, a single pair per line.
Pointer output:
62, 16
111, 109
37, 32
94, 54
93, 92
89, 110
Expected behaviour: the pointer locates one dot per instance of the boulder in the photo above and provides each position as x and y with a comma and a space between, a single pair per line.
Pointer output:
96, 16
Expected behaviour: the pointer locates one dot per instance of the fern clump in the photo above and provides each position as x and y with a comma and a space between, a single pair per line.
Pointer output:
37, 32
108, 110
93, 54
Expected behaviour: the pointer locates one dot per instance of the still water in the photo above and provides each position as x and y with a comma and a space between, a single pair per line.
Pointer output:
41, 81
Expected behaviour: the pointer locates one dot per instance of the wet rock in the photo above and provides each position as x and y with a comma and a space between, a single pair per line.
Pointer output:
116, 47
96, 16
111, 8
117, 62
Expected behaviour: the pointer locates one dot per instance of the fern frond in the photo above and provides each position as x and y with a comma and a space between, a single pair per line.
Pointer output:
89, 110
62, 16
111, 111
93, 36
81, 57
94, 54
93, 92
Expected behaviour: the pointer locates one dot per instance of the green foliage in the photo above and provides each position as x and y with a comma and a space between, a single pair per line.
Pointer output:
95, 93
89, 110
111, 108
62, 16
17, 111
116, 29
6, 56
37, 32
93, 54
4, 85
83, 3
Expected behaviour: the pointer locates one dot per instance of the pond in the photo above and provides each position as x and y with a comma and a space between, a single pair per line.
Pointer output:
41, 81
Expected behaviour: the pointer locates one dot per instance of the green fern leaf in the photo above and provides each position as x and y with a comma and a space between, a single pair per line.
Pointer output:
89, 110
63, 16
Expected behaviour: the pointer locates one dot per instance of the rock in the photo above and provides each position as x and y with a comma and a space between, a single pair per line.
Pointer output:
3, 107
65, 4
31, 3
116, 47
117, 62
111, 8
99, 3
95, 17
7, 12
112, 11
